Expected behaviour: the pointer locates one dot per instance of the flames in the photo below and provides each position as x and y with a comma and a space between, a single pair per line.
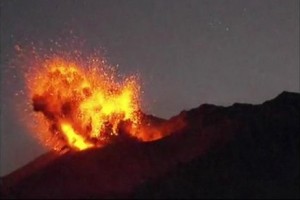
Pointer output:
82, 106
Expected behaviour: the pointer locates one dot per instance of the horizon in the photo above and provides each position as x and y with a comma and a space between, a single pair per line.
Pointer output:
50, 150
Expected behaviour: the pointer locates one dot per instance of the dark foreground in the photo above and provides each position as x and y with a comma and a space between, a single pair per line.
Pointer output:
241, 151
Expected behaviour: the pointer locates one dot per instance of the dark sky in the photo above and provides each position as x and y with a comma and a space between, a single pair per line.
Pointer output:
186, 52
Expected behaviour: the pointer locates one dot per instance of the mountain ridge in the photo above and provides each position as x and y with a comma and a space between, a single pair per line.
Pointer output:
133, 168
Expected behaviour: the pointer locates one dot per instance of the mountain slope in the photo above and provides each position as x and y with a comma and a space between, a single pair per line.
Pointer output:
238, 151
262, 161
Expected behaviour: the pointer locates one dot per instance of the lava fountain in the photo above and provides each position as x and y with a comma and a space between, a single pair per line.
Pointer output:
82, 107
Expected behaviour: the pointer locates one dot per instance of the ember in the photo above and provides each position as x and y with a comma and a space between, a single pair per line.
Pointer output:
83, 107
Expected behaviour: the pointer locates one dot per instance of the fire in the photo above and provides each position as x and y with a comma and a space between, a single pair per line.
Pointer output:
83, 106
73, 138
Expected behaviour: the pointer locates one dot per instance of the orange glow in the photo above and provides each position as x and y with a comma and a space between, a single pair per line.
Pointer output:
82, 106
74, 139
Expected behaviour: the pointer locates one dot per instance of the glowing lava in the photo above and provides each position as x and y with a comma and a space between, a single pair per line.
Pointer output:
82, 107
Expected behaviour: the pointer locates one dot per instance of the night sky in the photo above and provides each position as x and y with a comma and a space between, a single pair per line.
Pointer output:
186, 52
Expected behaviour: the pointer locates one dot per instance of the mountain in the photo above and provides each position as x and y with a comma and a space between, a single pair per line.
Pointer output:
240, 151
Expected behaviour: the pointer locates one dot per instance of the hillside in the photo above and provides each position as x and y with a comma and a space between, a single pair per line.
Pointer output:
238, 151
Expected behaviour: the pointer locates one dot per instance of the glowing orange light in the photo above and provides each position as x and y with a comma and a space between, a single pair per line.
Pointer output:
73, 138
82, 106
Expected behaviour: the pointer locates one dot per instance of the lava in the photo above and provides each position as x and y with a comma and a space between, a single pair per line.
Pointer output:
82, 107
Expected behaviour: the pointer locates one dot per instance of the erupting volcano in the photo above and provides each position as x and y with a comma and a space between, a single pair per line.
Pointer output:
208, 151
81, 107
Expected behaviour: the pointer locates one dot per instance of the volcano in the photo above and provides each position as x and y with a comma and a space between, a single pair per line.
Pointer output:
240, 151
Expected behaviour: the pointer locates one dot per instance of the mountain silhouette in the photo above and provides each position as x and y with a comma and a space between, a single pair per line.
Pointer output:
240, 151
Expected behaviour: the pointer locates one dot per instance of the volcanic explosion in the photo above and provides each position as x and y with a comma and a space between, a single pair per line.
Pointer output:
210, 150
82, 107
